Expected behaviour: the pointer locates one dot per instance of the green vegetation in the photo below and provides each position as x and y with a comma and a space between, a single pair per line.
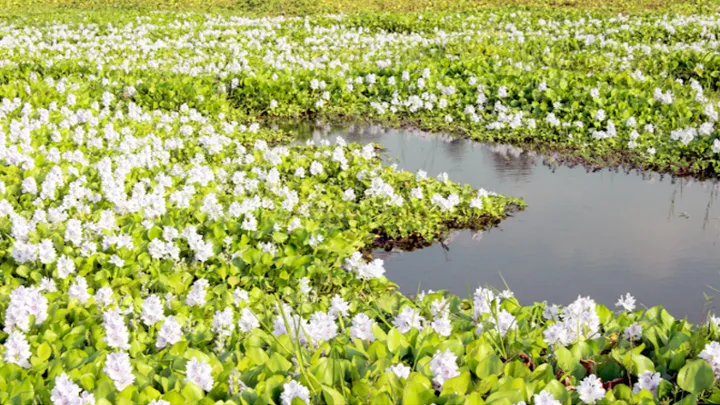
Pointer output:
160, 245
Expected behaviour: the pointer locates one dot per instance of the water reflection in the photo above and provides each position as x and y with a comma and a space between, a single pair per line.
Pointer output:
600, 234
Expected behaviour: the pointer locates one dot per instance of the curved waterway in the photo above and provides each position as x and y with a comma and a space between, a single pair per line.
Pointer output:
600, 234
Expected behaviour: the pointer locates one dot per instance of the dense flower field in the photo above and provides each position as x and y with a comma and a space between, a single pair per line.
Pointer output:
161, 245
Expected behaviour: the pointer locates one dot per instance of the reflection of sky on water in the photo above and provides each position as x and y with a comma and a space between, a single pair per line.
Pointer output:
600, 234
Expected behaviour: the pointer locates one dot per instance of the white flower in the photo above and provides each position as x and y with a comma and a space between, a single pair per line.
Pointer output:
25, 302
400, 370
545, 398
119, 369
627, 302
223, 323
29, 186
321, 327
407, 319
416, 193
600, 115
103, 296
338, 306
647, 381
316, 168
196, 296
240, 296
199, 373
476, 203
47, 284
17, 350
65, 267
362, 328
66, 392
78, 290
117, 261
248, 321
116, 332
169, 333
633, 332
591, 389
711, 354
46, 252
444, 367
292, 390
442, 326
304, 286
152, 310
349, 195
504, 321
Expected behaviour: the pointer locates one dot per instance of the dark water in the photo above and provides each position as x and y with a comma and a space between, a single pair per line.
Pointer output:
600, 234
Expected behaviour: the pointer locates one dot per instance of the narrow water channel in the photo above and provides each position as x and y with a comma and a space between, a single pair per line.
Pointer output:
600, 234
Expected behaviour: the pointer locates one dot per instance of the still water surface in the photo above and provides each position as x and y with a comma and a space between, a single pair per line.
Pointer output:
600, 234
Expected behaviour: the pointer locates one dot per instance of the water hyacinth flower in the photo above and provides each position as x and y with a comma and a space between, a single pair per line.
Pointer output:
338, 306
116, 332
543, 398
591, 389
626, 302
292, 390
363, 270
17, 349
196, 296
304, 286
223, 323
66, 392
444, 367
118, 368
362, 328
400, 370
199, 373
442, 326
321, 327
504, 321
170, 333
647, 381
633, 332
407, 319
103, 296
240, 297
65, 266
711, 354
152, 310
24, 303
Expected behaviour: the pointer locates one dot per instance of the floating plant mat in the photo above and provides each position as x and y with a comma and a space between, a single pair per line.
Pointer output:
592, 233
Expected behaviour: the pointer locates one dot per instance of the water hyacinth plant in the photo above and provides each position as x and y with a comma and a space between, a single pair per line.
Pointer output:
162, 245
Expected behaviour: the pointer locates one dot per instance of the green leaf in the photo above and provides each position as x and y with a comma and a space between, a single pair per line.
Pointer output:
696, 377
642, 364
457, 385
396, 340
418, 391
474, 399
44, 351
489, 365
332, 396
192, 392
